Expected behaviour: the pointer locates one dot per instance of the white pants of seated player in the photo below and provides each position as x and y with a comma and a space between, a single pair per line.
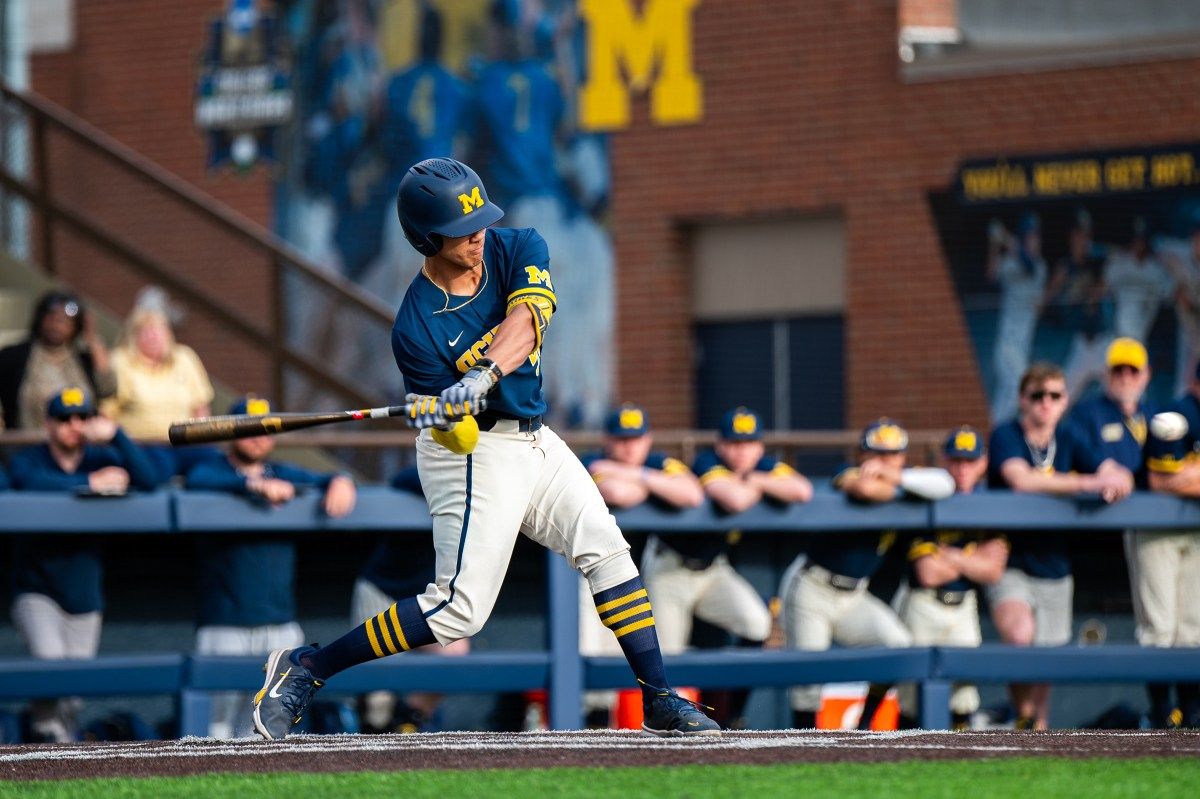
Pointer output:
816, 615
51, 633
934, 623
717, 595
228, 717
367, 601
1164, 572
520, 483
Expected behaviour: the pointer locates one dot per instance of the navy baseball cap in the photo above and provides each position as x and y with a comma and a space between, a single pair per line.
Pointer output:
884, 435
965, 442
741, 424
627, 421
250, 404
71, 401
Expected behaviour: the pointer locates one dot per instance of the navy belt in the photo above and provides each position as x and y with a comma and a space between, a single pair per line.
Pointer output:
487, 421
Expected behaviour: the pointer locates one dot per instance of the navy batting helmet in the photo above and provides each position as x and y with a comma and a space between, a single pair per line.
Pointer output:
442, 197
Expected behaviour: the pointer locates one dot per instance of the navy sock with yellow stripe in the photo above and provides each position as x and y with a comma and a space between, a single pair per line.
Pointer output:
397, 629
626, 611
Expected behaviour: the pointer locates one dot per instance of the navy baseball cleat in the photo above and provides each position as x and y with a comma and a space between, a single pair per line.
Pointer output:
669, 715
285, 694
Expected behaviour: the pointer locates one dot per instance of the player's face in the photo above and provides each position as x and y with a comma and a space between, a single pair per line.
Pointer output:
1126, 384
153, 340
465, 252
66, 434
253, 450
57, 326
740, 456
629, 451
892, 460
965, 471
1044, 404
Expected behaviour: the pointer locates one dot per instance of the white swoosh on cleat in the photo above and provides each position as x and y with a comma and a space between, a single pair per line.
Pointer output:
275, 691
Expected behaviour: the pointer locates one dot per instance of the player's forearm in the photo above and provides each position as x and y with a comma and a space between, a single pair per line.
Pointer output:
733, 495
934, 570
681, 490
1059, 484
514, 340
985, 564
1184, 483
619, 492
792, 488
870, 489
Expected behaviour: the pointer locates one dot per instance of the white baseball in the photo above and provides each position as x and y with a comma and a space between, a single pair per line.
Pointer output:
1168, 426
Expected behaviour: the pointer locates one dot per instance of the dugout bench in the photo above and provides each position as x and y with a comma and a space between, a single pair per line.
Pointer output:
560, 669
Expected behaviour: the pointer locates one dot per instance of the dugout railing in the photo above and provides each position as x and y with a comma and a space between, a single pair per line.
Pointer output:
559, 668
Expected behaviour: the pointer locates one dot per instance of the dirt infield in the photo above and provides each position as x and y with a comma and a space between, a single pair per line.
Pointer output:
466, 750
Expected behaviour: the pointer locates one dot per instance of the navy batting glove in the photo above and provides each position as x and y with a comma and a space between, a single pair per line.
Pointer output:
425, 410
468, 396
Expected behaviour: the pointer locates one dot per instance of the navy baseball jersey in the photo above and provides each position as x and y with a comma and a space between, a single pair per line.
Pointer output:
708, 466
437, 337
1040, 554
246, 580
853, 554
520, 108
1113, 434
1168, 457
423, 111
928, 544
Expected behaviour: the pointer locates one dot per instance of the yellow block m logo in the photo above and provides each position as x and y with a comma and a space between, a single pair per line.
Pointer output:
662, 35
471, 201
539, 277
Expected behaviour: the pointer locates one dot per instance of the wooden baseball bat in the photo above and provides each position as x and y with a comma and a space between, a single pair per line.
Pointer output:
226, 428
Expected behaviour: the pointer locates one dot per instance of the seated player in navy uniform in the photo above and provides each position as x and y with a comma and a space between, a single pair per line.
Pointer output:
400, 565
246, 582
57, 579
824, 591
940, 606
1164, 566
692, 575
1040, 452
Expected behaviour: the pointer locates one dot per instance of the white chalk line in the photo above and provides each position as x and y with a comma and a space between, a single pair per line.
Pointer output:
557, 741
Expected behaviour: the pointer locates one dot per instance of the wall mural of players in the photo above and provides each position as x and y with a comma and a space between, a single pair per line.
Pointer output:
1055, 256
382, 84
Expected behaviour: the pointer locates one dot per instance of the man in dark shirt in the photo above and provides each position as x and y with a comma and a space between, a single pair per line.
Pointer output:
824, 592
246, 582
58, 602
1038, 452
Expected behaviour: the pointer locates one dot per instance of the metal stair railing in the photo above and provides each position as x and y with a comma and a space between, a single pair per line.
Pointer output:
65, 151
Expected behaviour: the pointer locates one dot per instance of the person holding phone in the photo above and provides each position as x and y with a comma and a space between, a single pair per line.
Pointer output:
63, 349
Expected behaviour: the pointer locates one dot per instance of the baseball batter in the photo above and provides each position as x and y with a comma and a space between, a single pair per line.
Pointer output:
1164, 566
467, 339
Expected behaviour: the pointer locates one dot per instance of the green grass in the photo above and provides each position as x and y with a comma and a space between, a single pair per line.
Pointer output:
1017, 777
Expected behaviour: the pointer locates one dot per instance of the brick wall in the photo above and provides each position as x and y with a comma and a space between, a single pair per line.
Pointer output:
805, 111
131, 73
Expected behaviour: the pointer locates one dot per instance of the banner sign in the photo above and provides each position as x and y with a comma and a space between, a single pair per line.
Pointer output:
245, 88
1104, 173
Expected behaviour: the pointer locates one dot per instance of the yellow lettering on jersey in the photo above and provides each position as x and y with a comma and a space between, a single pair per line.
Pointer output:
617, 36
471, 201
539, 277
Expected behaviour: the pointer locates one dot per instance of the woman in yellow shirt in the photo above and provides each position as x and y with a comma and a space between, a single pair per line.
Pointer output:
159, 381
